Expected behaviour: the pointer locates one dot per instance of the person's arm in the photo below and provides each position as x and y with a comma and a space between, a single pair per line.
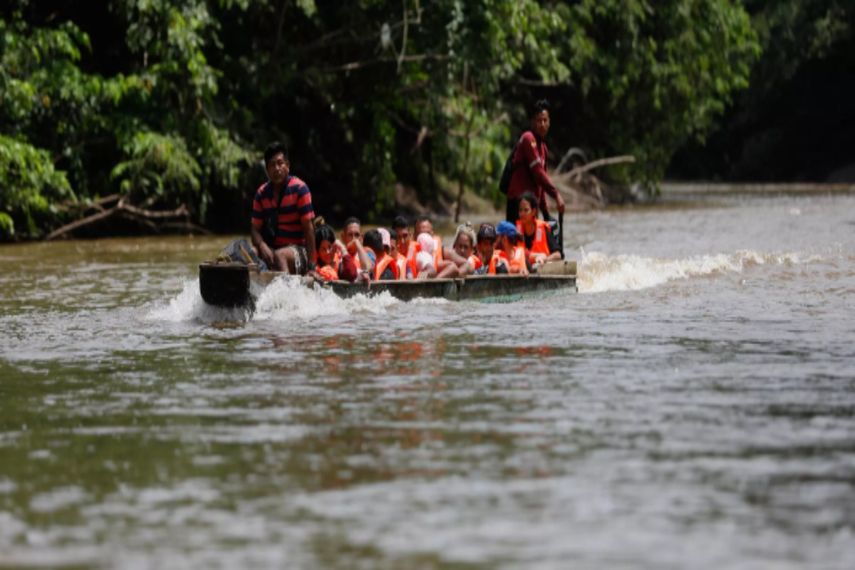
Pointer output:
450, 254
264, 251
309, 234
364, 260
307, 216
256, 223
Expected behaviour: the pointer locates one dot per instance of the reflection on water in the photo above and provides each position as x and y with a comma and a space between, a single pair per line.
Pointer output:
692, 406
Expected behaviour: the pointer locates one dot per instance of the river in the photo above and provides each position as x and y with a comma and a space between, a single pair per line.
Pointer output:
692, 406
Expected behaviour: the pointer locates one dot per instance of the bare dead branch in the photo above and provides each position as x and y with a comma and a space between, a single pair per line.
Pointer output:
579, 170
154, 220
155, 215
68, 228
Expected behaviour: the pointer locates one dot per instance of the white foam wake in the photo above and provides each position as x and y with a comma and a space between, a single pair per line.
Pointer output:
283, 300
288, 299
188, 305
599, 272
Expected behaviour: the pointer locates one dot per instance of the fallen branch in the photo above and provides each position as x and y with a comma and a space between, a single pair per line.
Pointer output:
98, 204
579, 170
152, 215
154, 220
80, 223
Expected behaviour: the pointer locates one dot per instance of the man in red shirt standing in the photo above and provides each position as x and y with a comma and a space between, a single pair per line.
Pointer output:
529, 166
282, 229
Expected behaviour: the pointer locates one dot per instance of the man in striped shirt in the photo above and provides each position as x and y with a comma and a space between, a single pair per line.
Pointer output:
282, 229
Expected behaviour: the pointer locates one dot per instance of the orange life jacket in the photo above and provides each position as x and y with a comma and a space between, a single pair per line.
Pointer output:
381, 266
411, 258
437, 251
401, 262
539, 243
415, 248
517, 260
330, 272
498, 256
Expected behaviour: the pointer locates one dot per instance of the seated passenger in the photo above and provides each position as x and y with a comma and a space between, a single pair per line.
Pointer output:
425, 258
282, 230
511, 249
376, 262
441, 256
540, 244
464, 249
488, 255
401, 251
351, 234
330, 252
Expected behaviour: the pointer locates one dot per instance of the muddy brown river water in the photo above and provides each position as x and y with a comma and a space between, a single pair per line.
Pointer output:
693, 406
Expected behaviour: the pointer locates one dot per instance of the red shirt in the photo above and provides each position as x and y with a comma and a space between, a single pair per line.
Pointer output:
529, 173
295, 205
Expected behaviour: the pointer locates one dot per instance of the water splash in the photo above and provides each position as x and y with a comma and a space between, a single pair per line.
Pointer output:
188, 305
283, 300
599, 272
288, 299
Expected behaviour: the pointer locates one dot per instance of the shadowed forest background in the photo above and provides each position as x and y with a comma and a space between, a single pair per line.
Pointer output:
165, 105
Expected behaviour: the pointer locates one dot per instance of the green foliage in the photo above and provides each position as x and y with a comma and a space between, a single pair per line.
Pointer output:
654, 75
159, 170
175, 99
793, 32
30, 187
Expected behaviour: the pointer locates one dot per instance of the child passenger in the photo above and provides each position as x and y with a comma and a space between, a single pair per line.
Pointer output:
425, 258
510, 248
465, 262
490, 257
380, 265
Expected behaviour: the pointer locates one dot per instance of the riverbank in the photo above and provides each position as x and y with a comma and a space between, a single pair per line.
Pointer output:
716, 188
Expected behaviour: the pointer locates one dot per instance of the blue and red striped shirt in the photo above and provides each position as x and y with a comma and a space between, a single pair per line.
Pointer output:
295, 205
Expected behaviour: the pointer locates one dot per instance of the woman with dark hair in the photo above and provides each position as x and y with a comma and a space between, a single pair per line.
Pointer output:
540, 244
330, 253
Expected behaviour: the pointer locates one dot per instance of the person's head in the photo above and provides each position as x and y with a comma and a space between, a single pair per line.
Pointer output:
423, 225
424, 261
540, 118
387, 239
528, 207
276, 162
507, 235
486, 240
373, 241
352, 231
426, 243
325, 244
464, 240
401, 232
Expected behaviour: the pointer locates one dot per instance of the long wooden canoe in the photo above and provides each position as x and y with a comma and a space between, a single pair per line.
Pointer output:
237, 285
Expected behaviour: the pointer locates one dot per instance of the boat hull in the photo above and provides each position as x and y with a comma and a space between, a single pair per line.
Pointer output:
236, 285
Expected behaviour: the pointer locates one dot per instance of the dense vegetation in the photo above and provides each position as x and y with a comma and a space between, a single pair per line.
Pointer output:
169, 102
796, 122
